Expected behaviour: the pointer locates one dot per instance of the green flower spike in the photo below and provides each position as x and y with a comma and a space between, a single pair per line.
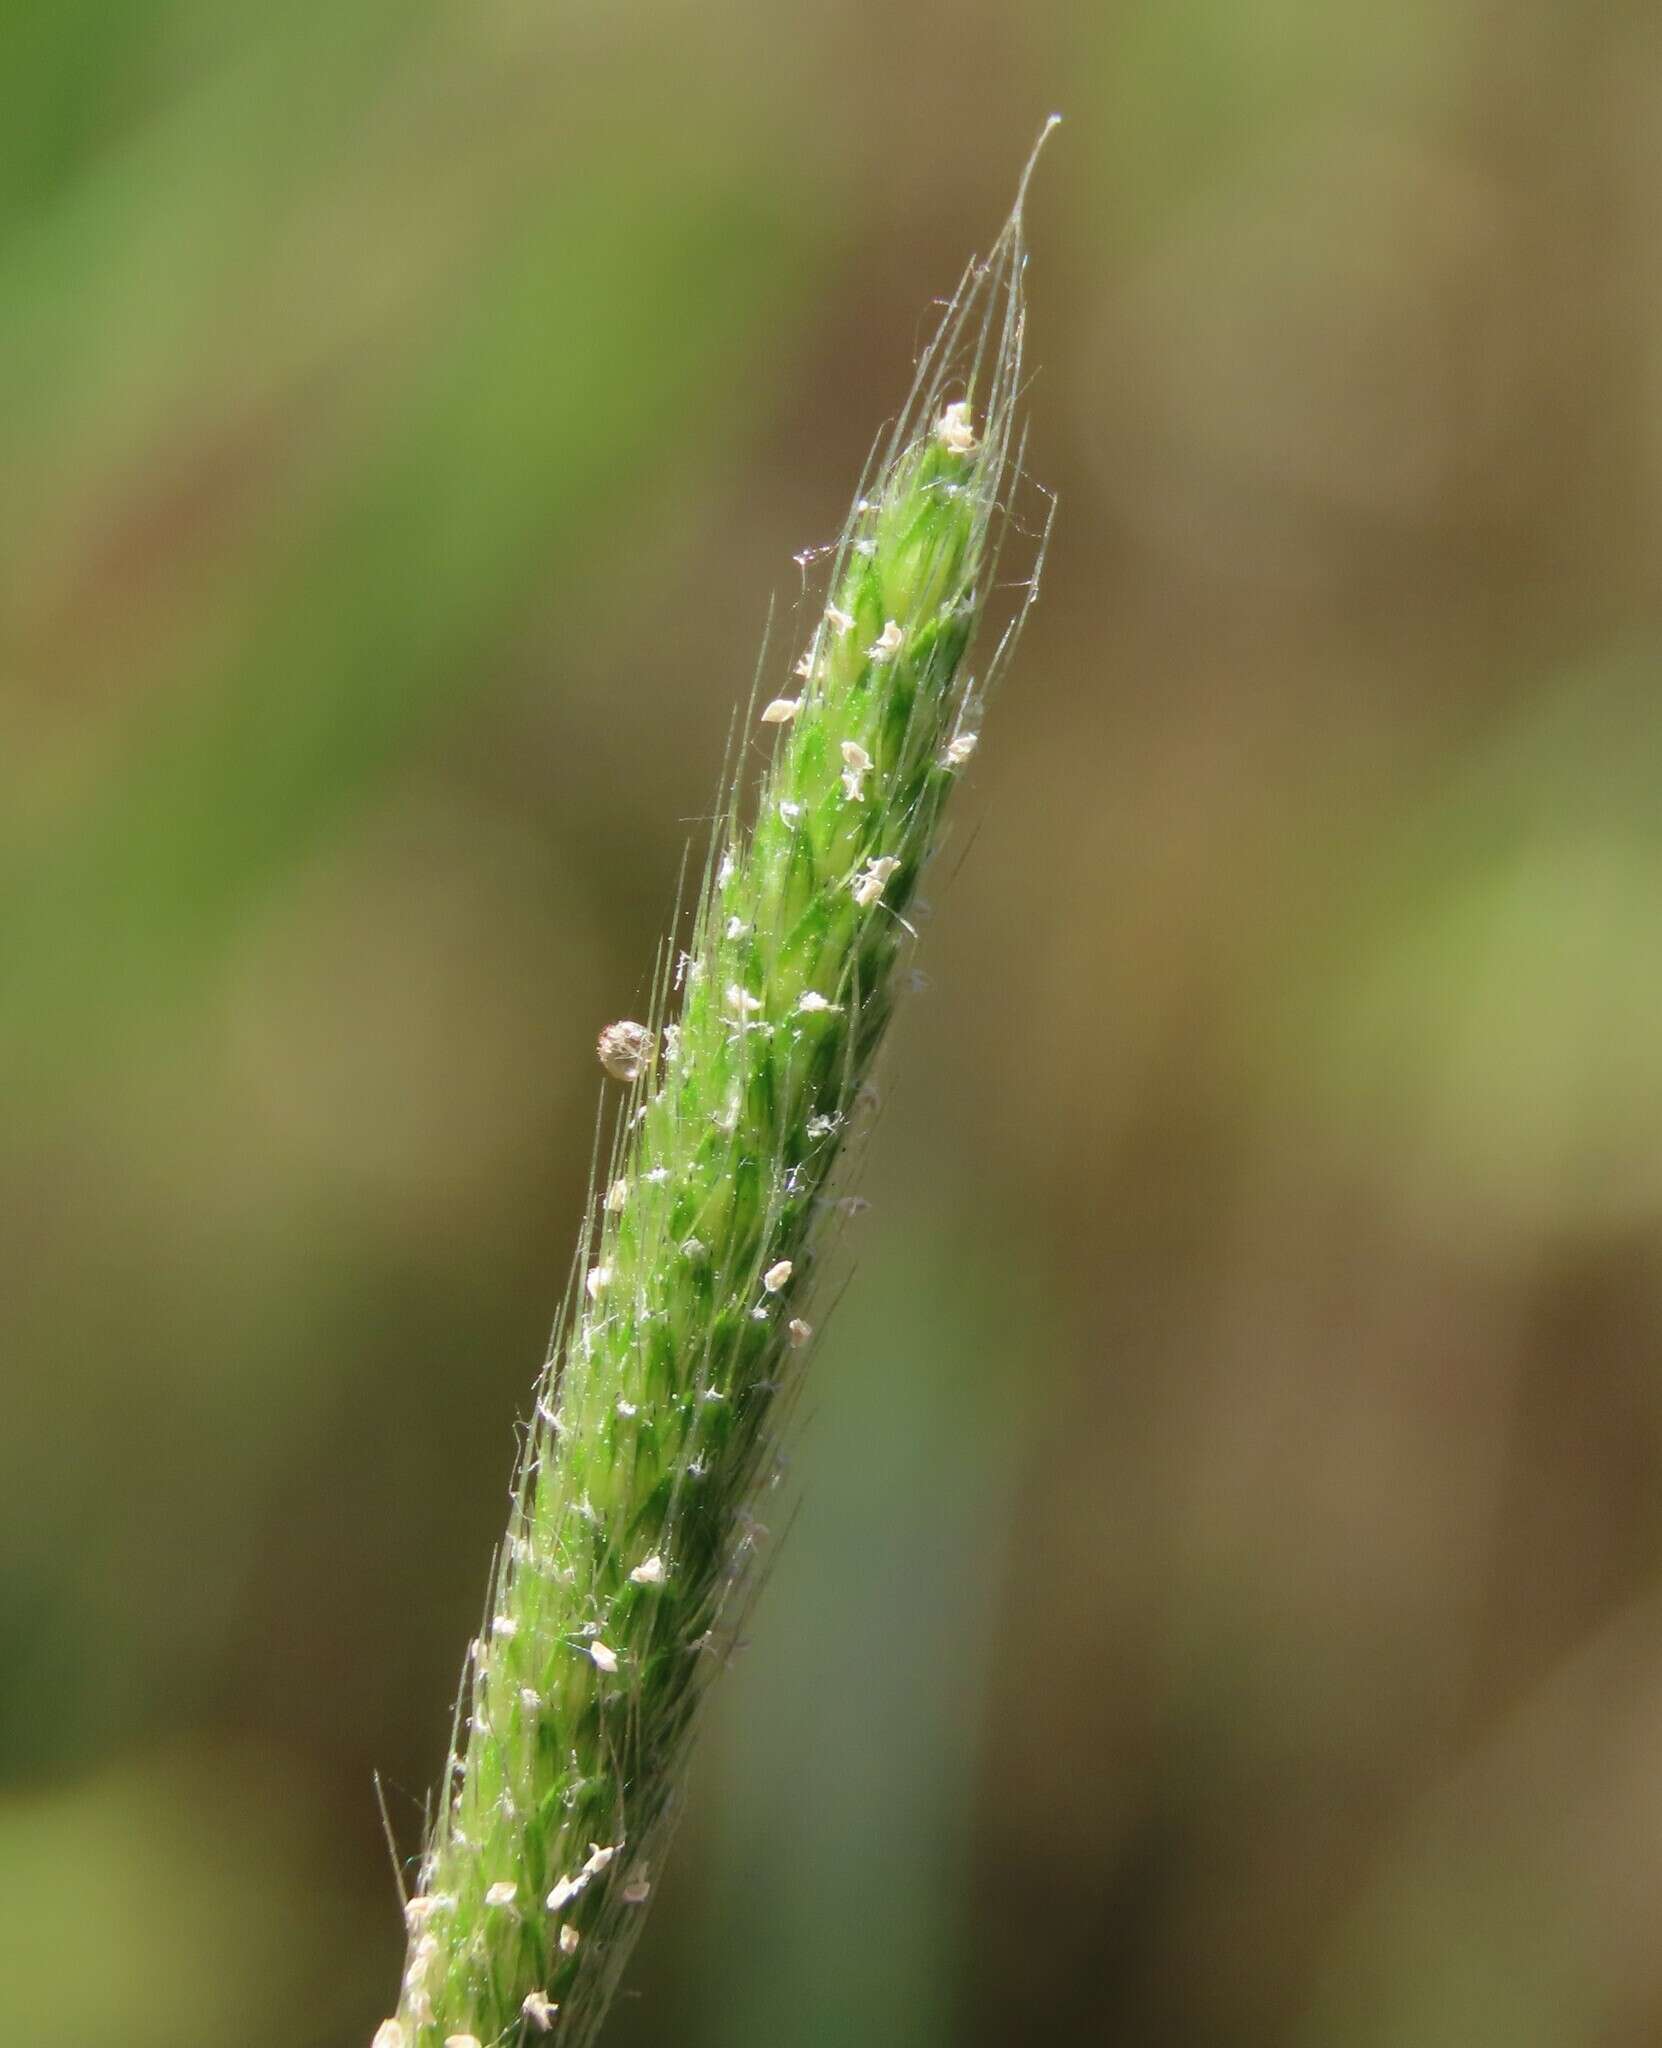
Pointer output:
631, 1550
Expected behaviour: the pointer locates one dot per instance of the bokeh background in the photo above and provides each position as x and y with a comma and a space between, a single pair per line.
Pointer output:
1225, 1606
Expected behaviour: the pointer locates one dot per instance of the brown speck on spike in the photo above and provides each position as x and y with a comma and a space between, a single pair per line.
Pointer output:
625, 1050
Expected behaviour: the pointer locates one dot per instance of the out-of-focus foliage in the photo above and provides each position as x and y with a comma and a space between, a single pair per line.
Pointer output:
404, 413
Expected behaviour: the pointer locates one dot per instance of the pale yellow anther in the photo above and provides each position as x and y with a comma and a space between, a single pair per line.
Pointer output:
569, 1938
776, 1278
869, 884
651, 1571
887, 644
960, 749
799, 1332
421, 1957
858, 768
953, 429
781, 711
502, 1893
841, 620
599, 1279
540, 2010
605, 1658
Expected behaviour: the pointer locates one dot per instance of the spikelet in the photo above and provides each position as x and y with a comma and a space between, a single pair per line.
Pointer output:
632, 1544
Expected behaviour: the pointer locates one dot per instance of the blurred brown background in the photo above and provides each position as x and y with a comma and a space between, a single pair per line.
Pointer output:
1225, 1607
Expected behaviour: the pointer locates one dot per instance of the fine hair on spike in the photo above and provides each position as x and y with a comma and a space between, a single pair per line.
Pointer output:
733, 1115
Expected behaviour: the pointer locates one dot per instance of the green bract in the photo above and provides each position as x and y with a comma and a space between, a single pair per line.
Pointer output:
631, 1544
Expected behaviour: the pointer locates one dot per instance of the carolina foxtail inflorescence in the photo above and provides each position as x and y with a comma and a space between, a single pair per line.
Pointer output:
632, 1539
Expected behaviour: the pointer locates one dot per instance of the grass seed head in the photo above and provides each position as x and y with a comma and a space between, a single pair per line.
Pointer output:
657, 1425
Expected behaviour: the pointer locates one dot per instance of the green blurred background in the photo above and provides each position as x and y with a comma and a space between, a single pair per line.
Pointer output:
1226, 1603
